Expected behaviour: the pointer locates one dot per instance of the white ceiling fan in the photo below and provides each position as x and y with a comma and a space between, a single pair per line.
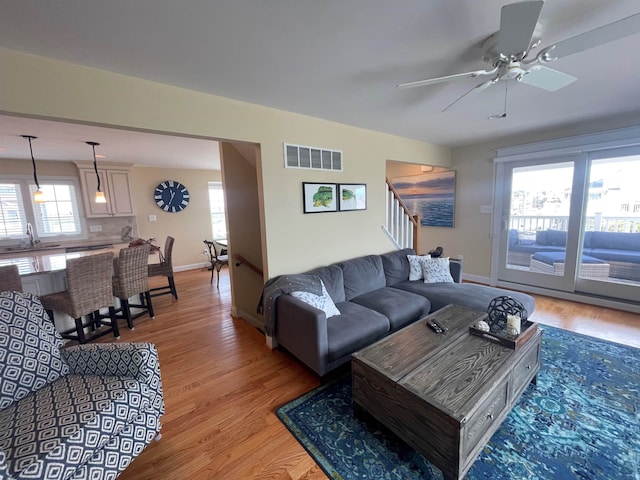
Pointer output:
508, 51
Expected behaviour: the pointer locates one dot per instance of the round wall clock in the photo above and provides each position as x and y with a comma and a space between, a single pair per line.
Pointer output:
171, 196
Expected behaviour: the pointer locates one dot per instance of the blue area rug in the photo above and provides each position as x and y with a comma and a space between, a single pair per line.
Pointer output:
581, 421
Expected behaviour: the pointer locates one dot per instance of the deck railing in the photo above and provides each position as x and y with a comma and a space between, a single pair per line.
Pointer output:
597, 223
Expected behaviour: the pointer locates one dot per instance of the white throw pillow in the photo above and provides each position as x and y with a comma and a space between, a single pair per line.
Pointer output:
323, 302
415, 266
436, 270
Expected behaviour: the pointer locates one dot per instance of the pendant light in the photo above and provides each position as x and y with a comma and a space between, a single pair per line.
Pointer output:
38, 196
100, 198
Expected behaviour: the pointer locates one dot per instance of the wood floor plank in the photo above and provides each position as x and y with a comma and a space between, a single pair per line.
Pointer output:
222, 384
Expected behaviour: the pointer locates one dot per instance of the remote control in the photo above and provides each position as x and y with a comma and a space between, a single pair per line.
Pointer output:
436, 327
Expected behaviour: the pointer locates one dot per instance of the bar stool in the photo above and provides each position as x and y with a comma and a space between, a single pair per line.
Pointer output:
88, 290
10, 279
164, 268
131, 278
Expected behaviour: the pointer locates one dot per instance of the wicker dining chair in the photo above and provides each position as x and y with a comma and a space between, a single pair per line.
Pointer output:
10, 279
88, 290
131, 278
164, 268
217, 260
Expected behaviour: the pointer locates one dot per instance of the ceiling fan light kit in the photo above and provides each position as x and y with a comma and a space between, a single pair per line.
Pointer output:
509, 50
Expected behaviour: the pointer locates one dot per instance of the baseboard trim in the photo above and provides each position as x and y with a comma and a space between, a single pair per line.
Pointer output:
476, 279
193, 266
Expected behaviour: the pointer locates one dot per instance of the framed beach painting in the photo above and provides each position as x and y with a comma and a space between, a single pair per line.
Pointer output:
319, 197
352, 196
429, 195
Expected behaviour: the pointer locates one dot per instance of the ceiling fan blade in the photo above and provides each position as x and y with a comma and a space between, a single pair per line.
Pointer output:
477, 89
547, 79
432, 81
517, 25
598, 36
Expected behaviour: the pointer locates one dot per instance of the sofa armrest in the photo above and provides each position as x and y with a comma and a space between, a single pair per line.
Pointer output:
455, 267
302, 330
133, 360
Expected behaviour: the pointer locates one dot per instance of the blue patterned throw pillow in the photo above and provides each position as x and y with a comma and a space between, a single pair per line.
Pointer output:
436, 270
322, 302
29, 347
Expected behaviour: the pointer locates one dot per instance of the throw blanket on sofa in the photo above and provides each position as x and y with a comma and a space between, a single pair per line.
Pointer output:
284, 284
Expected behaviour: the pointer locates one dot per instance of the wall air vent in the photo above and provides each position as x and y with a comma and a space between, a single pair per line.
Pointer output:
300, 156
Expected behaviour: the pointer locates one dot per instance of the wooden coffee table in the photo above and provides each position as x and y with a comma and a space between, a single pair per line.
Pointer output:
443, 394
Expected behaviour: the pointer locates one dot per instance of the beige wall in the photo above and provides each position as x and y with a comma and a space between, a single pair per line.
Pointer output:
243, 223
294, 242
190, 226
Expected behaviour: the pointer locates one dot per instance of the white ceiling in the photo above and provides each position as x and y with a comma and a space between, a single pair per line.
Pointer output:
334, 59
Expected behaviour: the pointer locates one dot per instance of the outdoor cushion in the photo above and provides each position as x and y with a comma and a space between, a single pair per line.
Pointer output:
608, 254
558, 257
357, 327
362, 275
401, 308
616, 240
53, 431
29, 347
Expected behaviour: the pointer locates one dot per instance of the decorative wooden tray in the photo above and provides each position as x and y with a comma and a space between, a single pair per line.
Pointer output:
503, 338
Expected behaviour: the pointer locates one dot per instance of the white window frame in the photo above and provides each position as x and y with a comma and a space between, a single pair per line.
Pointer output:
217, 213
27, 187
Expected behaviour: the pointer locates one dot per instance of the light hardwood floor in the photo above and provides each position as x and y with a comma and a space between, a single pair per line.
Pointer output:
222, 384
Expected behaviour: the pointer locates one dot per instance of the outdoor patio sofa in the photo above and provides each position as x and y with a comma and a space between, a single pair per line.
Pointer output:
83, 412
619, 249
373, 296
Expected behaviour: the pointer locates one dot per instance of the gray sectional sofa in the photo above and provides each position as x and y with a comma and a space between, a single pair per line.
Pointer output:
375, 297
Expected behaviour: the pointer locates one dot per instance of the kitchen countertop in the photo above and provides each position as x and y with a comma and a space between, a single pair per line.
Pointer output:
45, 261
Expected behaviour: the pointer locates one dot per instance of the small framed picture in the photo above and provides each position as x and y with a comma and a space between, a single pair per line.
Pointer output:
353, 196
319, 197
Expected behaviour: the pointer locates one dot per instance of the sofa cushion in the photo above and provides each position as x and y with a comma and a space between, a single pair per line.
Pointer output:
610, 255
400, 307
396, 265
53, 431
362, 275
357, 327
557, 238
333, 281
616, 240
29, 347
322, 302
471, 295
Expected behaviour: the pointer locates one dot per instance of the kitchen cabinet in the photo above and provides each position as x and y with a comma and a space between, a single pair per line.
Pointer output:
114, 182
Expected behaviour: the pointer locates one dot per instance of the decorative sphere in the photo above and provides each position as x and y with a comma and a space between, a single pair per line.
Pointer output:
482, 326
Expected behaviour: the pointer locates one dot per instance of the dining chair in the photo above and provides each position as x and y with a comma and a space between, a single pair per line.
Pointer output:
130, 279
164, 268
10, 279
89, 289
217, 260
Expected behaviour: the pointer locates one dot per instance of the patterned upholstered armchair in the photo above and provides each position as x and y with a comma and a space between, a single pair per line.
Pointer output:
76, 413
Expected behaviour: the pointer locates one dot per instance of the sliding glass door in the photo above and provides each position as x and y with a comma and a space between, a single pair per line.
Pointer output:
572, 223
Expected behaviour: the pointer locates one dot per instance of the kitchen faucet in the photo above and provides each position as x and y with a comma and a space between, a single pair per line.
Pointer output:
30, 234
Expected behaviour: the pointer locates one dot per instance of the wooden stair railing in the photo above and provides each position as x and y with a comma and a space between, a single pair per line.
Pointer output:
240, 260
401, 225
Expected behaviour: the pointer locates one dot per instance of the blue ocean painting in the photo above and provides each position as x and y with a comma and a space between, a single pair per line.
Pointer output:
429, 195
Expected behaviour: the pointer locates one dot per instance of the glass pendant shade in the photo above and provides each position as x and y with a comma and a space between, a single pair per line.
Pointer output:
38, 196
100, 198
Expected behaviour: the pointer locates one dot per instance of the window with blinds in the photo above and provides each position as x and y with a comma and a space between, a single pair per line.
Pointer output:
300, 156
59, 214
11, 211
